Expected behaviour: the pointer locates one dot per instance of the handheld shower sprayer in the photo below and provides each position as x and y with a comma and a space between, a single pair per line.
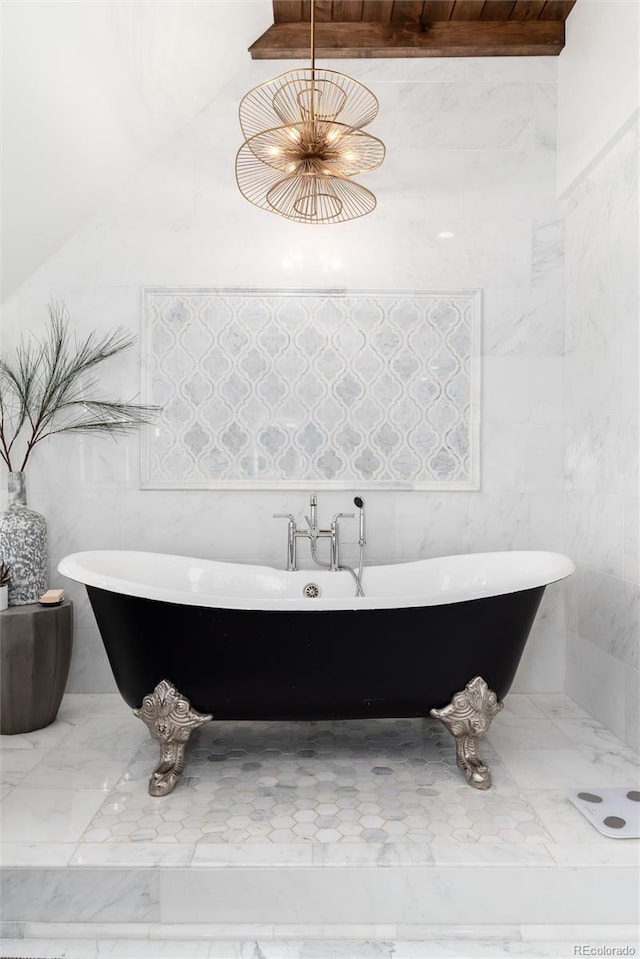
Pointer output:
359, 502
362, 539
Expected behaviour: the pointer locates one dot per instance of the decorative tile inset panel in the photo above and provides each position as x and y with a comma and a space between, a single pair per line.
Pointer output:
266, 389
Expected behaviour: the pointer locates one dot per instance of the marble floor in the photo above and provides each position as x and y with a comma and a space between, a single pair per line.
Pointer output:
355, 838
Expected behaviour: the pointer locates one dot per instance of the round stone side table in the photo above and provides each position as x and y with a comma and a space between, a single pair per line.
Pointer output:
35, 655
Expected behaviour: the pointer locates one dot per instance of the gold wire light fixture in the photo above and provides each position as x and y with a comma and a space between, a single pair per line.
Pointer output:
303, 143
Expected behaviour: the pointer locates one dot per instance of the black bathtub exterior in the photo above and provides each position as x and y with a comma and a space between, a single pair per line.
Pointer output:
316, 664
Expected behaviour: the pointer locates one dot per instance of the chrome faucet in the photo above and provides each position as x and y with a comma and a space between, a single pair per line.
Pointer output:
313, 533
334, 556
292, 556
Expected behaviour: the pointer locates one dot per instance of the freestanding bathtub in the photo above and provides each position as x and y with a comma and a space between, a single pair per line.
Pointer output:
188, 639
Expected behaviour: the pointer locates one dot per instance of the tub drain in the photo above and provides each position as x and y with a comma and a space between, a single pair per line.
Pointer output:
312, 591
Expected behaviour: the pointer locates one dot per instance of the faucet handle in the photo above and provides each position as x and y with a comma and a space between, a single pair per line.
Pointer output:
343, 516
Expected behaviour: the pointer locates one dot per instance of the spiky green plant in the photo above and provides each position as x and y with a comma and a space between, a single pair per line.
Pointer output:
5, 574
51, 388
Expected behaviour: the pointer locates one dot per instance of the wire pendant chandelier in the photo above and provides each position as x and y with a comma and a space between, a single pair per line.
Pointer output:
303, 143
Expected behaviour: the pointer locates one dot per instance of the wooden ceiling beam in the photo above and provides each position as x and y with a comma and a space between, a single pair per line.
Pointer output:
406, 10
527, 9
377, 11
347, 10
287, 11
556, 9
437, 10
467, 9
323, 11
290, 41
497, 10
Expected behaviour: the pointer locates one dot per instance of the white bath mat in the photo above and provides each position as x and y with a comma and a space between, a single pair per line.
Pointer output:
613, 812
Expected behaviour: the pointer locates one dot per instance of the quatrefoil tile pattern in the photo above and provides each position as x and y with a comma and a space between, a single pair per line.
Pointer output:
265, 389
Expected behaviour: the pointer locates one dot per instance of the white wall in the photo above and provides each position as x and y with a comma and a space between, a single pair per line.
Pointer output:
598, 82
602, 378
89, 91
471, 152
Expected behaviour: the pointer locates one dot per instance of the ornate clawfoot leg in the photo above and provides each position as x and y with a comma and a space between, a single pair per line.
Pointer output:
170, 720
467, 717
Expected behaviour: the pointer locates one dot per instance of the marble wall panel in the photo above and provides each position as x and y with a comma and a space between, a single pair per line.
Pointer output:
501, 184
467, 115
548, 523
548, 253
631, 544
542, 668
514, 69
608, 614
602, 450
523, 322
597, 680
632, 708
519, 389
546, 115
600, 456
596, 531
90, 670
543, 458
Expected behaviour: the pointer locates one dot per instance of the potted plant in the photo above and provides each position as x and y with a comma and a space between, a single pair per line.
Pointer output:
5, 576
50, 388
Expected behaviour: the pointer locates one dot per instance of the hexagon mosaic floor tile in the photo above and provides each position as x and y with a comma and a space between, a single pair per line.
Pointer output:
358, 781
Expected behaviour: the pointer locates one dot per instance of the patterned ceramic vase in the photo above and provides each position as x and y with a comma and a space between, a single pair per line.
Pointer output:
23, 545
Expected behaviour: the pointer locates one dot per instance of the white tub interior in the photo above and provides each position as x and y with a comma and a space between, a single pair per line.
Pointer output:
427, 582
